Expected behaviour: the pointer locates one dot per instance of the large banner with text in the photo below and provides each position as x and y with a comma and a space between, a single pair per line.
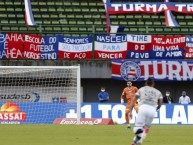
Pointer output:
75, 47
166, 7
104, 47
161, 70
46, 113
147, 7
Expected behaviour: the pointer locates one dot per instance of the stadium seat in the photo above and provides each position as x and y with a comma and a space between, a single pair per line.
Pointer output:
84, 4
167, 30
2, 10
89, 22
2, 3
86, 13
133, 23
176, 29
134, 30
183, 23
148, 23
51, 9
17, 3
190, 23
140, 23
191, 30
50, 4
184, 29
142, 30
3, 16
42, 3
47, 22
6, 28
71, 16
63, 3
14, 28
77, 10
150, 30
159, 30
80, 22
18, 10
55, 23
4, 22
8, 3
21, 21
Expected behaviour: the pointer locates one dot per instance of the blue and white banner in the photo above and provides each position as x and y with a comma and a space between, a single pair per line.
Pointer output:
46, 113
113, 8
28, 14
160, 70
110, 47
138, 46
115, 30
168, 114
170, 19
75, 47
147, 7
112, 30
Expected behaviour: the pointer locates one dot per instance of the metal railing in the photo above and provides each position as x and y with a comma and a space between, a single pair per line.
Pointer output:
93, 29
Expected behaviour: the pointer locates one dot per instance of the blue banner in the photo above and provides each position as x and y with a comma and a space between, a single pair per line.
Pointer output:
49, 49
46, 113
2, 46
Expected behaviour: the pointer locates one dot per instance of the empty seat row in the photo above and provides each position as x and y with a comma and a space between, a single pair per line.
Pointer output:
83, 12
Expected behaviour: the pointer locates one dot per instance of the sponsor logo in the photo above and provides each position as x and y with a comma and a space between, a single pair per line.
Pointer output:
130, 71
10, 114
59, 99
86, 121
28, 97
34, 97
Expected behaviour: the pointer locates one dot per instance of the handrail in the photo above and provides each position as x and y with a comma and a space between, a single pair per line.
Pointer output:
39, 29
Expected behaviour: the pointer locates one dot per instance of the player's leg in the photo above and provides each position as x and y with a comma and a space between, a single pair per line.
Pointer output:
149, 119
127, 117
136, 107
138, 128
138, 135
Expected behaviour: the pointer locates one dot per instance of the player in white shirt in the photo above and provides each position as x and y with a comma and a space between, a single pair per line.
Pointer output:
150, 102
184, 99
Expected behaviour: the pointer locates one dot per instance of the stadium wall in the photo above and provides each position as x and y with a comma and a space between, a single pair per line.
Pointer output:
91, 88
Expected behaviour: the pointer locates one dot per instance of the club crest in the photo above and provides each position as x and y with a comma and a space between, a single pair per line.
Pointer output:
130, 71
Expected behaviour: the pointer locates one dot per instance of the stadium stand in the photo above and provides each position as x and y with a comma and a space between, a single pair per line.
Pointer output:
83, 17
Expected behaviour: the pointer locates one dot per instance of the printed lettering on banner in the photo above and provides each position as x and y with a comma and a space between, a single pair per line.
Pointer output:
110, 47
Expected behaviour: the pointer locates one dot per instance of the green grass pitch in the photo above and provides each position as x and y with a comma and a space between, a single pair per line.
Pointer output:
91, 135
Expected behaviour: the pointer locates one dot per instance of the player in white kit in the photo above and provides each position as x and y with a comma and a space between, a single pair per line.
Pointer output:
150, 100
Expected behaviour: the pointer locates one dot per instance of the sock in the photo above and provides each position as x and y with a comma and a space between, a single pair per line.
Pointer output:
137, 138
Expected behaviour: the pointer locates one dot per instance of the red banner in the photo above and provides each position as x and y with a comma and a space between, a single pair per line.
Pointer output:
89, 121
188, 53
32, 46
138, 46
14, 45
168, 47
